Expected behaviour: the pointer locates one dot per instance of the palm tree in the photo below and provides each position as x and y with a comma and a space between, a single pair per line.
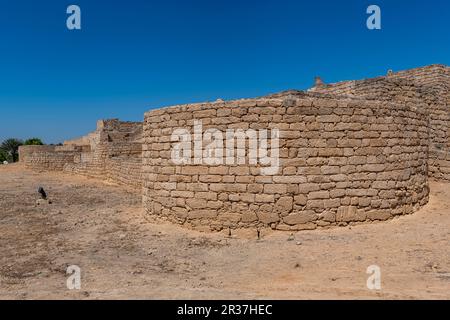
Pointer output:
11, 147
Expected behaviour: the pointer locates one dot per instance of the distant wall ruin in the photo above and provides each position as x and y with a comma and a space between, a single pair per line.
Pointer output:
51, 158
113, 152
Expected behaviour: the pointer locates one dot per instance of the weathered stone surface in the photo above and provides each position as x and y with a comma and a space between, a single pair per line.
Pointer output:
300, 217
265, 198
202, 214
378, 215
196, 203
347, 214
284, 205
301, 199
268, 217
319, 195
275, 188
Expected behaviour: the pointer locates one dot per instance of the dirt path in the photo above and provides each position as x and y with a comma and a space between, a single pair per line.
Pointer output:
102, 229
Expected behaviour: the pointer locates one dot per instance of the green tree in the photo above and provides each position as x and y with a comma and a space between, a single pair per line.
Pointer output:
11, 147
3, 156
33, 142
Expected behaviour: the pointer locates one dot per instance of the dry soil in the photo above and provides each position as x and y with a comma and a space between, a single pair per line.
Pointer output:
124, 255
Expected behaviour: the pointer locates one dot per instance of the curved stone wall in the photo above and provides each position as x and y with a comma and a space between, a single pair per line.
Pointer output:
342, 160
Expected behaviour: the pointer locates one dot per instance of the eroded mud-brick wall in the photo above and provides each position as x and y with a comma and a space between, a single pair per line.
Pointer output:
342, 160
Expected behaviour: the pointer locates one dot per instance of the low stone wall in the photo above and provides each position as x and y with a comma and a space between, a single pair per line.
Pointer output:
123, 170
46, 157
25, 152
342, 161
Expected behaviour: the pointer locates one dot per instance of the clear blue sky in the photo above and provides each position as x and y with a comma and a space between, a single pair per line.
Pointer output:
132, 56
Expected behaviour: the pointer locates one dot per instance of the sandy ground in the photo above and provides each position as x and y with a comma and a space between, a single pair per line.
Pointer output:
122, 255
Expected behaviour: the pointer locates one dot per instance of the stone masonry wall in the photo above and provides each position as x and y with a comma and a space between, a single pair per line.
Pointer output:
44, 158
115, 153
25, 152
342, 161
435, 81
125, 170
430, 85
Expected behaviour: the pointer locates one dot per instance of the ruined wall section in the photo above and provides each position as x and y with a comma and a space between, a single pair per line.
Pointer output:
435, 81
26, 152
47, 158
342, 161
429, 84
115, 153
381, 88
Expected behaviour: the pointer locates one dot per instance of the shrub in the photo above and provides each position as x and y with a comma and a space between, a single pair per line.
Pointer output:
3, 156
33, 142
